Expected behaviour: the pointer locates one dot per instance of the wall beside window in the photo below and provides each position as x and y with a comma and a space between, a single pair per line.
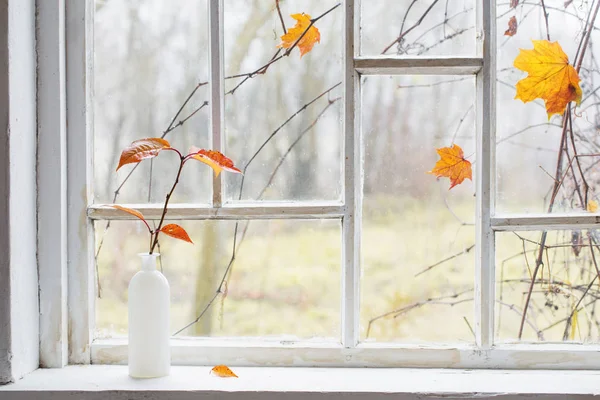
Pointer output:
19, 334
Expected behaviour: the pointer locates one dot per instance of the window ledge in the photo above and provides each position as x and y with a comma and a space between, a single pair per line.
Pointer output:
112, 382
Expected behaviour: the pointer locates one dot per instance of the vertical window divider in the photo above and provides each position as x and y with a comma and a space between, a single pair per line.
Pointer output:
352, 182
484, 176
79, 55
216, 84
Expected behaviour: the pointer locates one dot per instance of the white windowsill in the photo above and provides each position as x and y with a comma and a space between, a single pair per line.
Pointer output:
112, 382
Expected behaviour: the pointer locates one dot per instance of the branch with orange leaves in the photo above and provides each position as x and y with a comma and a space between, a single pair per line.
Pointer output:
223, 282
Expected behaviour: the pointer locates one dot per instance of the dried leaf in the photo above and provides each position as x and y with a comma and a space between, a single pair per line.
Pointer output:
452, 164
512, 27
576, 242
592, 206
514, 3
223, 371
573, 325
130, 211
214, 159
309, 39
550, 77
142, 149
177, 232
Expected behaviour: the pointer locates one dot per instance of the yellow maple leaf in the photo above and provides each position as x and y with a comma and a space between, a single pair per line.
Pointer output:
309, 39
592, 206
452, 164
550, 77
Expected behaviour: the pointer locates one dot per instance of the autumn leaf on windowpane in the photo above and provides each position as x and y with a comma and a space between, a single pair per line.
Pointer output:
452, 164
214, 159
142, 149
223, 371
512, 27
293, 34
514, 3
592, 206
176, 232
550, 77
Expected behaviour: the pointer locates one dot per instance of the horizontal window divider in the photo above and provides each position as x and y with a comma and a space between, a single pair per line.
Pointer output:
311, 353
227, 212
545, 222
418, 65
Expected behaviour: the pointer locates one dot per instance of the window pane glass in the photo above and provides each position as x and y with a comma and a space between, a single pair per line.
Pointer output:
563, 303
418, 236
285, 281
148, 57
302, 159
429, 27
529, 160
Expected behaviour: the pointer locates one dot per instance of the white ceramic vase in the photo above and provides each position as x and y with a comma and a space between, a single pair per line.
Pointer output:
149, 301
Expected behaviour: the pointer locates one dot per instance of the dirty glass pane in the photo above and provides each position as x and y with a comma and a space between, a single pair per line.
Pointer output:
285, 282
149, 55
418, 237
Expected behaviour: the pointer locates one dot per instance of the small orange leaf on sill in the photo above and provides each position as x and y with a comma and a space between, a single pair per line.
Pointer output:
223, 371
592, 206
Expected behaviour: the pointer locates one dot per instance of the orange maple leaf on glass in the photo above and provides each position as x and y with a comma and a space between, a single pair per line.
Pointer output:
309, 39
142, 149
452, 164
214, 159
223, 371
550, 77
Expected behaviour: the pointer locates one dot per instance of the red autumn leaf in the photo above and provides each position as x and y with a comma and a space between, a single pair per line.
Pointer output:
309, 38
512, 27
214, 159
514, 3
223, 371
142, 149
452, 164
177, 232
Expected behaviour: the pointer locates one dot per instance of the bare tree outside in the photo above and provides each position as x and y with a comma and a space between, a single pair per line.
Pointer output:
282, 278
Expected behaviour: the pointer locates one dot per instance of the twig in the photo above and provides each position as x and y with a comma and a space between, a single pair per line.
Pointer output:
416, 24
545, 19
280, 16
465, 251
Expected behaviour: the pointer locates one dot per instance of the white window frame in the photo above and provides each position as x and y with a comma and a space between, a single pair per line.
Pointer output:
73, 315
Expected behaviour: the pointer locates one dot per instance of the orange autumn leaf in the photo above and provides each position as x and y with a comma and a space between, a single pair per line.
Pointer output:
452, 164
512, 27
307, 40
130, 211
142, 149
177, 232
223, 371
214, 159
133, 212
592, 206
550, 77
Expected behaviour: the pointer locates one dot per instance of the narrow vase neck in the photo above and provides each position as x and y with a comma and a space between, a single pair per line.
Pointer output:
149, 261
